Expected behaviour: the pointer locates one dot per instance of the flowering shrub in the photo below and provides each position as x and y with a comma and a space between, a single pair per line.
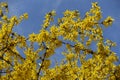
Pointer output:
71, 27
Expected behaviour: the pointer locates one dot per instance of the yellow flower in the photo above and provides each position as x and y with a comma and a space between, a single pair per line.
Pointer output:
54, 31
113, 77
53, 12
94, 4
1, 13
25, 15
4, 17
57, 43
88, 42
49, 52
46, 64
32, 37
43, 36
70, 56
100, 46
108, 21
78, 47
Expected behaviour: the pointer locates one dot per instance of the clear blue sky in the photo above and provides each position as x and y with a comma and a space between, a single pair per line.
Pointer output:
38, 8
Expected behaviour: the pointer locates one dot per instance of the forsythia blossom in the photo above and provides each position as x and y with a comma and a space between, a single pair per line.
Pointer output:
32, 57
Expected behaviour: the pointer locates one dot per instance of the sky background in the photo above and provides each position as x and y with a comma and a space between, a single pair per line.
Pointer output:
38, 8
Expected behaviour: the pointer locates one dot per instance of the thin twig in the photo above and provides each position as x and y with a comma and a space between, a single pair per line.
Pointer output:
6, 61
42, 62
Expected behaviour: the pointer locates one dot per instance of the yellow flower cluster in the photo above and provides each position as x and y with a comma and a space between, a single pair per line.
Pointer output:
21, 59
108, 21
48, 18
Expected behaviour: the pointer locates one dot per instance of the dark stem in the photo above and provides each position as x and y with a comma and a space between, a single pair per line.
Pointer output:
42, 62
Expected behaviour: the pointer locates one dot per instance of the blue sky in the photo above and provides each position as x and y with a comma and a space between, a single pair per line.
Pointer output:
38, 8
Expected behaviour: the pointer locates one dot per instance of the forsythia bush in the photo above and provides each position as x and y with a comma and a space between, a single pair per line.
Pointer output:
76, 33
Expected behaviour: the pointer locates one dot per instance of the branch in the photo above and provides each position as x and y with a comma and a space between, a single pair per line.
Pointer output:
6, 61
16, 54
5, 71
41, 63
3, 48
84, 49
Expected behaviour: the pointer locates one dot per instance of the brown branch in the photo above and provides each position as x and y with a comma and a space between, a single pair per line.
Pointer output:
41, 66
3, 48
6, 61
84, 49
42, 63
16, 54
5, 71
